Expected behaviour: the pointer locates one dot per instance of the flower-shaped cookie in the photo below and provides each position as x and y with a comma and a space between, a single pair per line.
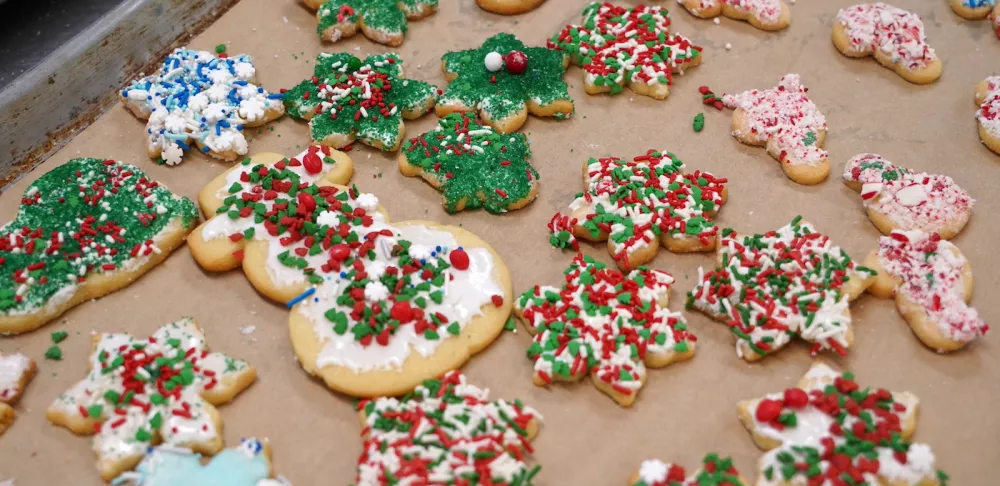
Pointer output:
762, 14
141, 392
348, 99
899, 199
641, 204
472, 166
606, 324
988, 115
618, 47
715, 471
16, 370
895, 37
246, 465
828, 430
383, 21
771, 287
503, 80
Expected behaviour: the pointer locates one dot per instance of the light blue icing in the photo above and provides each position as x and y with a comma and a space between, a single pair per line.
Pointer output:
243, 466
979, 3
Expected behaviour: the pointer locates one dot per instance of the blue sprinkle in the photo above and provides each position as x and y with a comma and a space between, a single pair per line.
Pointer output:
305, 295
276, 96
438, 248
183, 145
205, 150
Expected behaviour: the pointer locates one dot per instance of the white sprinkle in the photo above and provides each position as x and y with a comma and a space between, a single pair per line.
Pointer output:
246, 331
716, 21
728, 46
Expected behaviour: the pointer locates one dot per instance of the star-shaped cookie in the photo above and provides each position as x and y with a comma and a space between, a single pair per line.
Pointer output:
382, 21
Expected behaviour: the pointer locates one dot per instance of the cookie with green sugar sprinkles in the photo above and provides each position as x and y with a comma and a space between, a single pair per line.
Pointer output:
605, 324
472, 165
715, 471
382, 21
633, 47
828, 430
504, 80
774, 286
348, 99
84, 229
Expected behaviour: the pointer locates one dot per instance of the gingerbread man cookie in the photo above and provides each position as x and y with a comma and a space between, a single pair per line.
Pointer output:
828, 430
198, 99
606, 324
618, 47
503, 80
932, 284
16, 370
895, 37
472, 165
988, 115
509, 7
84, 229
376, 307
348, 98
767, 15
246, 465
771, 287
141, 392
899, 199
715, 471
382, 21
641, 204
978, 10
446, 432
788, 123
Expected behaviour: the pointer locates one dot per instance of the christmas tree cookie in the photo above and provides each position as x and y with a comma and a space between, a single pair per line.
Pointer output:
472, 165
605, 324
618, 47
84, 229
382, 21
348, 99
715, 471
141, 392
641, 204
988, 115
503, 80
16, 370
246, 465
767, 15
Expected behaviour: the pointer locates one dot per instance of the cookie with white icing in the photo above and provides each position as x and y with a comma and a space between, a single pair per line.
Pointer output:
16, 370
382, 21
895, 37
988, 115
715, 471
509, 7
246, 465
767, 15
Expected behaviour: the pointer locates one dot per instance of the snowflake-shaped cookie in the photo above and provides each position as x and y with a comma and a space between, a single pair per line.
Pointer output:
788, 123
606, 324
715, 471
899, 199
641, 204
895, 37
618, 47
446, 432
383, 21
348, 98
988, 115
503, 80
472, 165
829, 431
198, 99
166, 465
771, 287
763, 14
16, 370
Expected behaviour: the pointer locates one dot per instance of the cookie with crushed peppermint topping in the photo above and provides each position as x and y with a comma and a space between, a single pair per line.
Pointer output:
605, 324
774, 286
895, 37
767, 15
988, 115
618, 47
382, 21
16, 370
897, 198
715, 471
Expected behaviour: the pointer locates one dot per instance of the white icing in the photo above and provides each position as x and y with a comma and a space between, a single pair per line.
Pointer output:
13, 368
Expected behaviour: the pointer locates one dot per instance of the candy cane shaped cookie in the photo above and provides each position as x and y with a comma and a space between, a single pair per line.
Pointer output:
767, 15
895, 37
16, 370
988, 115
165, 465
715, 471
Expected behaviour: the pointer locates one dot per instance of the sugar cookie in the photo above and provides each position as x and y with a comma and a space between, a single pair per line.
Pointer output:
246, 465
509, 7
606, 324
618, 47
827, 429
715, 471
932, 284
458, 435
788, 123
141, 392
198, 99
771, 287
978, 10
895, 37
503, 80
472, 165
641, 204
84, 229
348, 98
382, 21
988, 115
16, 370
897, 198
763, 14
363, 292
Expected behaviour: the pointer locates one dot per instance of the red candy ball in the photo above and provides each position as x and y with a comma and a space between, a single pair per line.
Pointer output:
795, 397
459, 259
768, 410
516, 62
401, 311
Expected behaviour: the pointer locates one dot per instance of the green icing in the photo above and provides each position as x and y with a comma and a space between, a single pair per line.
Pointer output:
501, 94
85, 216
388, 16
484, 170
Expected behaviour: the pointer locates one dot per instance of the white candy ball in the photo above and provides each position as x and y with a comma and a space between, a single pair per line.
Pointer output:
494, 62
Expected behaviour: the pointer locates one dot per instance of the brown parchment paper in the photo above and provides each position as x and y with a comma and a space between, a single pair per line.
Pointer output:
686, 409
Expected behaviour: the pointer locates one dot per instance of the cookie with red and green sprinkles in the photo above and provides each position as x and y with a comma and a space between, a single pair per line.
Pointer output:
84, 219
159, 390
382, 21
774, 286
503, 80
640, 204
620, 47
715, 471
606, 324
348, 98
472, 165
446, 431
828, 430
